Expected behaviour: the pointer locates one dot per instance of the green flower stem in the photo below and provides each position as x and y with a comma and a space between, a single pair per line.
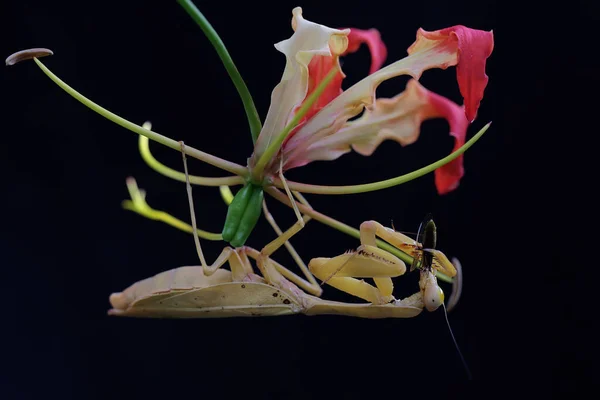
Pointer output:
275, 145
347, 229
139, 205
170, 220
371, 187
190, 151
144, 147
226, 194
234, 74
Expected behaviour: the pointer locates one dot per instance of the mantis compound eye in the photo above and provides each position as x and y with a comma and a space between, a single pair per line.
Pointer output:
433, 297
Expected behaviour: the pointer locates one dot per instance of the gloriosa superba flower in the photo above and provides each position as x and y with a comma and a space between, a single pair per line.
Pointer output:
310, 117
325, 132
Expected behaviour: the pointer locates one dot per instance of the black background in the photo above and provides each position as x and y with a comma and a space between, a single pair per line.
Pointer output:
67, 243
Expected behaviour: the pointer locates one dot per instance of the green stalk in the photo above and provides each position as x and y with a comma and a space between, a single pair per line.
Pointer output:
234, 74
148, 157
371, 187
173, 144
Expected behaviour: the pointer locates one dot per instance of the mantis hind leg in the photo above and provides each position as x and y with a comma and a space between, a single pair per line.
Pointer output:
274, 273
238, 268
309, 284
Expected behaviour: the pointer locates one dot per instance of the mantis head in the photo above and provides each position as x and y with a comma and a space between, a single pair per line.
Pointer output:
433, 295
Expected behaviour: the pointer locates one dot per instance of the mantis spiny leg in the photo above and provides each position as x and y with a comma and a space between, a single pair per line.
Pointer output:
369, 230
342, 272
368, 261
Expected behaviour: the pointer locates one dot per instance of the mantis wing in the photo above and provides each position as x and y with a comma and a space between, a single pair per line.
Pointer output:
186, 292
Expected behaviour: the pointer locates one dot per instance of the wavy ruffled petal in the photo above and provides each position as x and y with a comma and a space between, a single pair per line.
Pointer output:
397, 119
473, 48
372, 38
439, 49
447, 178
309, 40
319, 67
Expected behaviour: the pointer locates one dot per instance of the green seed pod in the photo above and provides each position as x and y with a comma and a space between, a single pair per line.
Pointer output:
249, 219
236, 210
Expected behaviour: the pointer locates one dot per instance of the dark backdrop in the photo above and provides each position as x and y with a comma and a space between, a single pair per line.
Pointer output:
67, 243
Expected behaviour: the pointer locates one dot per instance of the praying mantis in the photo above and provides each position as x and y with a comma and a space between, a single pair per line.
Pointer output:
209, 291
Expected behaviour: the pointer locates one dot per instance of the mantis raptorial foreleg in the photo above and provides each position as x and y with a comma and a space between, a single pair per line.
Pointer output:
368, 261
369, 230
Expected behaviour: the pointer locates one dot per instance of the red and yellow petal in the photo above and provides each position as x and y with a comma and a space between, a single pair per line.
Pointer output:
397, 119
319, 67
466, 48
308, 41
473, 47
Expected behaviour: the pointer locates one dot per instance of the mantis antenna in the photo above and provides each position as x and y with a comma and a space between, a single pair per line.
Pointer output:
191, 203
464, 362
426, 239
